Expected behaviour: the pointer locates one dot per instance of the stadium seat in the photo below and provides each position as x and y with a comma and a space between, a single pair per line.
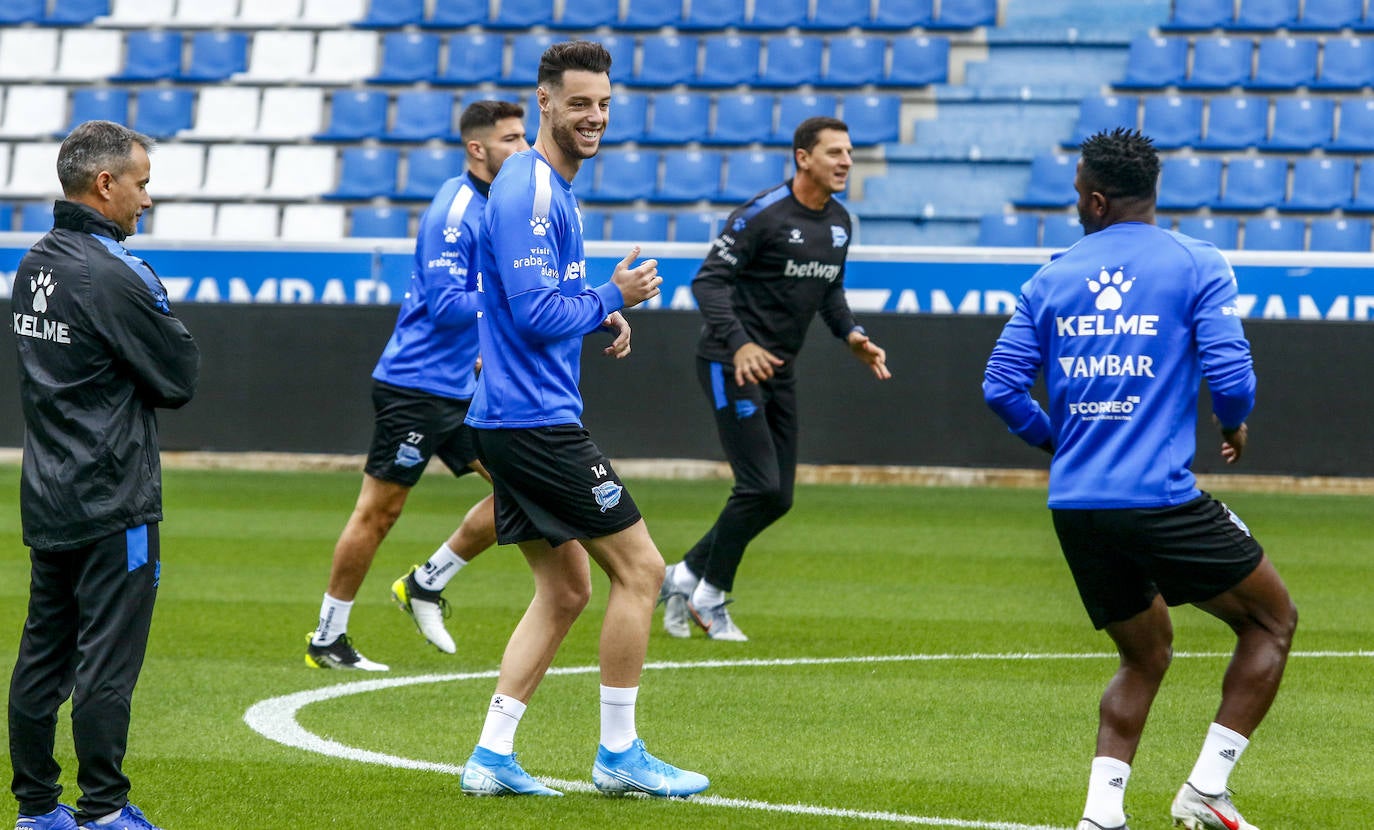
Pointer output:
1266, 15
873, 119
36, 217
1274, 234
621, 47
75, 12
651, 14
695, 225
1060, 230
162, 112
1321, 184
678, 118
1347, 63
6, 209
344, 57
1155, 62
629, 115
278, 56
673, 61
902, 15
689, 175
1220, 62
151, 56
246, 222
1285, 63
312, 223
332, 14
456, 14
1364, 191
408, 57
1340, 235
1356, 119
366, 172
379, 223
777, 15
225, 112
522, 14
31, 171
289, 113
1189, 182
1301, 124
33, 111
918, 60
1221, 231
795, 108
427, 168
1009, 230
259, 14
593, 224
355, 115
965, 14
713, 15
98, 104
838, 14
1201, 14
1329, 15
1236, 123
27, 54
749, 171
525, 52
1173, 121
89, 54
854, 61
792, 61
1254, 183
14, 12
236, 170
420, 116
205, 13
624, 175
137, 13
729, 60
588, 14
180, 170
473, 58
1051, 181
639, 226
393, 14
216, 56
1098, 113
183, 220
742, 118
301, 171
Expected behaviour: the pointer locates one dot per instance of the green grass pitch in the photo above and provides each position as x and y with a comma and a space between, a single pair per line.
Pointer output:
806, 738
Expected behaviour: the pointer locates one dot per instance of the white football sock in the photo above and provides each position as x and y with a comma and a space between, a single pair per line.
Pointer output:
618, 717
110, 819
333, 620
684, 581
707, 595
498, 732
441, 567
1220, 752
1107, 791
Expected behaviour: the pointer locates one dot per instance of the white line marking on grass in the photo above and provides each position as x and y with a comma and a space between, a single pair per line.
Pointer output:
275, 719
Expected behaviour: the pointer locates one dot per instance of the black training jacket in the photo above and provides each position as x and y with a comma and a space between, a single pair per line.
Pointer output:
99, 349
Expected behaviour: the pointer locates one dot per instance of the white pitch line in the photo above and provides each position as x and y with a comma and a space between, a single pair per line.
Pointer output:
275, 719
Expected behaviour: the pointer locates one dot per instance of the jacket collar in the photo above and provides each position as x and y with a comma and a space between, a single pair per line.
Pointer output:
75, 216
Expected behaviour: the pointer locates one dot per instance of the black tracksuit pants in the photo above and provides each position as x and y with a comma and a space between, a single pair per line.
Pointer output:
85, 637
757, 424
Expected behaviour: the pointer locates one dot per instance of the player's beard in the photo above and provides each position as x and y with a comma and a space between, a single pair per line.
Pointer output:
565, 137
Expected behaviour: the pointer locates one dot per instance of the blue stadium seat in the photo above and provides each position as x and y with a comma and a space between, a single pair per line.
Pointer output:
98, 104
380, 222
792, 61
1189, 182
473, 58
695, 225
35, 217
408, 57
1051, 181
525, 52
918, 60
1301, 124
1009, 230
75, 12
742, 118
777, 14
420, 116
215, 56
624, 175
393, 14
427, 168
965, 14
1347, 63
855, 61
151, 56
1321, 184
838, 14
1364, 191
1341, 235
1201, 14
1254, 183
456, 14
354, 115
689, 175
1266, 14
162, 112
593, 223
795, 108
1098, 113
1356, 127
639, 226
6, 217
873, 119
713, 15
522, 14
1173, 121
622, 50
1155, 62
22, 11
1236, 123
588, 14
673, 61
901, 15
729, 60
679, 118
1220, 62
629, 115
1274, 234
1285, 63
651, 14
1330, 15
1221, 231
366, 172
1060, 230
749, 171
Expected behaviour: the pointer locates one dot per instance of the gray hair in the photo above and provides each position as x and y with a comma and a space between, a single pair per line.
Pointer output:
95, 146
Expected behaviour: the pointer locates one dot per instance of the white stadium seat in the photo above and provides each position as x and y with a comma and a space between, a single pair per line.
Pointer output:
206, 12
34, 112
138, 13
183, 220
312, 223
34, 171
300, 171
290, 112
344, 57
268, 12
177, 170
279, 56
235, 170
331, 13
249, 222
27, 54
224, 112
90, 54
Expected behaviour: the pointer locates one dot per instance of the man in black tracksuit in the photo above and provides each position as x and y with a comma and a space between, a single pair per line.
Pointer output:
779, 260
99, 350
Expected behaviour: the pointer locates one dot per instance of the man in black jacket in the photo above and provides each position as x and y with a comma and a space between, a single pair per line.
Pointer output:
99, 350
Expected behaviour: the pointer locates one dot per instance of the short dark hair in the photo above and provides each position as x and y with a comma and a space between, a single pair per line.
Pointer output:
94, 146
1122, 163
808, 132
481, 115
584, 55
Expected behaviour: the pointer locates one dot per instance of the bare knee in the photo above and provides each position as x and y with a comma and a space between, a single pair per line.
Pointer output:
1151, 661
569, 598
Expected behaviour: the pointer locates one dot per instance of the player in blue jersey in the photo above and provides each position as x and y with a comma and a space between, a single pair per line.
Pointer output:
1125, 325
557, 495
421, 388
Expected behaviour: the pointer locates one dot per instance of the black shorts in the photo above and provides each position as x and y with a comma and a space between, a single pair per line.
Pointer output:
411, 426
553, 483
1121, 559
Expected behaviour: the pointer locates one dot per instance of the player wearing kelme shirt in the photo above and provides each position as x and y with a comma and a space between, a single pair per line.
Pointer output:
1124, 325
779, 261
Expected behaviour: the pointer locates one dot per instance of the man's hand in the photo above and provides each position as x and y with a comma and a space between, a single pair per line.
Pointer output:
620, 327
639, 283
870, 353
1233, 443
754, 364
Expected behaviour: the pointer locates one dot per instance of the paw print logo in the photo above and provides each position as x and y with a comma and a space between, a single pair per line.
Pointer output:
41, 284
1109, 288
451, 234
539, 225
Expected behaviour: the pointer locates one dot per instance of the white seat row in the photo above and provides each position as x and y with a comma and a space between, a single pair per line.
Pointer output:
235, 221
248, 13
84, 54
